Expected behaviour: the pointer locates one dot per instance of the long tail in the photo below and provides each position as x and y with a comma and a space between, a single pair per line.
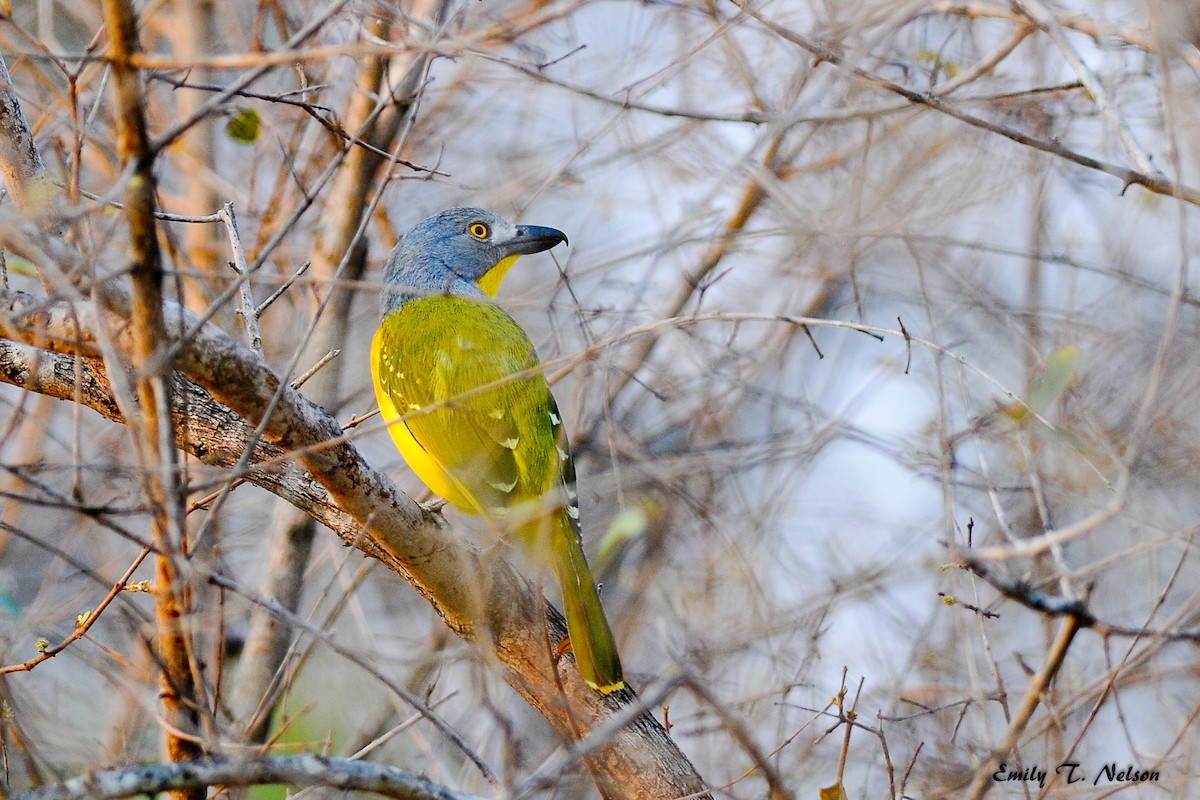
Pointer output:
592, 639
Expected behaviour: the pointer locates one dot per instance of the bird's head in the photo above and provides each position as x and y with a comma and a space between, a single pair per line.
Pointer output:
460, 251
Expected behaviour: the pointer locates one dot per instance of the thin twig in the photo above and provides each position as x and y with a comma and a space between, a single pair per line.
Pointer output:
246, 308
86, 621
261, 66
1045, 20
988, 63
349, 653
1154, 182
275, 295
325, 359
1040, 682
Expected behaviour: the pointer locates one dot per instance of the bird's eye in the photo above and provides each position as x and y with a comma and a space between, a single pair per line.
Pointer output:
479, 230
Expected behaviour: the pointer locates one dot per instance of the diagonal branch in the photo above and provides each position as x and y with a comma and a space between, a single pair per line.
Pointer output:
482, 598
1156, 182
982, 780
1038, 13
203, 428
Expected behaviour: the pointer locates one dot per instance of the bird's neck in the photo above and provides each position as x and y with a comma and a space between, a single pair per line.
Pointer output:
405, 281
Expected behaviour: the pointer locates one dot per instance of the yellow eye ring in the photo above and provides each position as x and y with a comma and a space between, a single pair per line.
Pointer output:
479, 230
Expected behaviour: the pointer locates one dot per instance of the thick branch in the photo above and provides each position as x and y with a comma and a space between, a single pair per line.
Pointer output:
481, 598
20, 162
303, 770
203, 427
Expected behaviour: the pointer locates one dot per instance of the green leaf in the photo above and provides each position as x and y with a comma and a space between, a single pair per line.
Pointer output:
1056, 376
244, 126
19, 266
1052, 381
626, 526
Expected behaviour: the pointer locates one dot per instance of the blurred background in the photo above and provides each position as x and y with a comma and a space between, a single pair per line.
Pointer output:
854, 291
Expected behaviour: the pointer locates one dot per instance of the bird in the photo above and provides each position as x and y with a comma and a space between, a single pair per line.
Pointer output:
460, 386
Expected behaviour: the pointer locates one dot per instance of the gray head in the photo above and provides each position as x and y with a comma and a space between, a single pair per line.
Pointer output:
461, 251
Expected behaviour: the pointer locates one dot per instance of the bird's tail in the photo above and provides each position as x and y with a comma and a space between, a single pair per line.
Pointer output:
591, 637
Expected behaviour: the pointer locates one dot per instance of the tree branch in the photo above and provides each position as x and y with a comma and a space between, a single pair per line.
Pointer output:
1156, 183
203, 428
20, 162
181, 683
1039, 14
482, 599
302, 770
338, 257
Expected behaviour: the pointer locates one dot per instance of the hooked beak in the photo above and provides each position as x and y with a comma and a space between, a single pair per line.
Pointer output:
533, 239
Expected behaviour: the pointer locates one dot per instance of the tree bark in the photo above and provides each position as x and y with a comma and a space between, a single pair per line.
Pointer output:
180, 681
480, 596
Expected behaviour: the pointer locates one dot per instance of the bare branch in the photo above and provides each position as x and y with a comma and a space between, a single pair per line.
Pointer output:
497, 608
20, 162
204, 428
247, 310
1041, 15
182, 685
195, 776
1038, 685
84, 623
1156, 182
275, 295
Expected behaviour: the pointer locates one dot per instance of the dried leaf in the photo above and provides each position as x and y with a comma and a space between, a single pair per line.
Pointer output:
835, 792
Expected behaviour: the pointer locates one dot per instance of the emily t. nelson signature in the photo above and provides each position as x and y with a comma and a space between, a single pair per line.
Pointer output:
1073, 772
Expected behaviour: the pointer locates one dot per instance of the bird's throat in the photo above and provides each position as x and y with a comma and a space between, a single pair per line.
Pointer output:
490, 282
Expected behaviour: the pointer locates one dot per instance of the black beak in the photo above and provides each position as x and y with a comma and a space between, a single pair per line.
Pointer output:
533, 239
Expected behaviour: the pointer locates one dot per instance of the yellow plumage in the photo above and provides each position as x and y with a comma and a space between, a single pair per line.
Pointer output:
458, 383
